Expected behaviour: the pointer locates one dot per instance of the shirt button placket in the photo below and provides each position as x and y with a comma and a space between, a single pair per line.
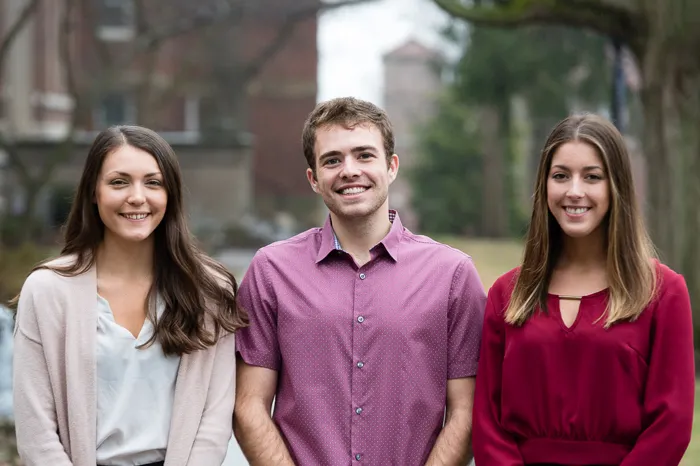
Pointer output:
358, 376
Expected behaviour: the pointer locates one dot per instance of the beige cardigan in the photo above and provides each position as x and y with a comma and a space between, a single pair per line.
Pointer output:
54, 381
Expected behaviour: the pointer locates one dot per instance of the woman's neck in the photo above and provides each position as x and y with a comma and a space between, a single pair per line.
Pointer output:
584, 253
125, 259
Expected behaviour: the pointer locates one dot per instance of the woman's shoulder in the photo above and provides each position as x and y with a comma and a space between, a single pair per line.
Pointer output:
504, 284
668, 280
49, 274
664, 271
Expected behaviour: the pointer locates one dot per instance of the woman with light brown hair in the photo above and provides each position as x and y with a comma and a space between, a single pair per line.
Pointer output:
587, 347
124, 345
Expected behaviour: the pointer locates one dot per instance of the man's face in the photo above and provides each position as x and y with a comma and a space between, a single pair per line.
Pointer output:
352, 174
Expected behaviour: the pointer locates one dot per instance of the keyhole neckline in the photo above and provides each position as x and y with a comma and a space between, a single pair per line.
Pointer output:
595, 294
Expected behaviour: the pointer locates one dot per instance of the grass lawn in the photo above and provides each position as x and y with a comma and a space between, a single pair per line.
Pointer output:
692, 456
494, 258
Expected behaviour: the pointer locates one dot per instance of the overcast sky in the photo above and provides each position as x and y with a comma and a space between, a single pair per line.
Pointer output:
352, 40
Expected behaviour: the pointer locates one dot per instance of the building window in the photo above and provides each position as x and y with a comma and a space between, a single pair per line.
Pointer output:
115, 19
115, 109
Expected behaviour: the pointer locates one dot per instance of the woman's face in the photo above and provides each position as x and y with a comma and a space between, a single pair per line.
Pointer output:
578, 189
130, 196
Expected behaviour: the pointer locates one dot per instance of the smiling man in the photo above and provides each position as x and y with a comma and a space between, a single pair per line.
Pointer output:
365, 334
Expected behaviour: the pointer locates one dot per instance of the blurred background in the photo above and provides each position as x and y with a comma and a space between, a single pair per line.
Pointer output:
473, 89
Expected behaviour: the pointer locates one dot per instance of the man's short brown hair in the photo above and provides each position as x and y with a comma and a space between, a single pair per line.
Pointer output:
347, 112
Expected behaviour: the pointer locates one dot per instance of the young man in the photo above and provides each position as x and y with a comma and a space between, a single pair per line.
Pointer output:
363, 331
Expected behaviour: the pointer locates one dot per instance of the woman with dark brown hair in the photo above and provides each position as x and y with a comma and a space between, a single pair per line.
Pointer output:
124, 345
587, 347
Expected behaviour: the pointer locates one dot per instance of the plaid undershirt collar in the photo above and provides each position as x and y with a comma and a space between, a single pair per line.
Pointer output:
338, 247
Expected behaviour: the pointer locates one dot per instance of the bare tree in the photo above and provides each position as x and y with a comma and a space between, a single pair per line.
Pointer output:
15, 28
157, 26
33, 178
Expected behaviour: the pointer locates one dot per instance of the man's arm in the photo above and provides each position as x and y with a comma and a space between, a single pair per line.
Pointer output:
453, 445
257, 435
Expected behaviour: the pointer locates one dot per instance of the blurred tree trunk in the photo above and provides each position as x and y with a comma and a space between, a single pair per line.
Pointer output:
687, 100
23, 17
494, 208
691, 257
651, 29
541, 127
660, 188
32, 178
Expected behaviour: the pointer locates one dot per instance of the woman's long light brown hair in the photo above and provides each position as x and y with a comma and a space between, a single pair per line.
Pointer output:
199, 293
631, 271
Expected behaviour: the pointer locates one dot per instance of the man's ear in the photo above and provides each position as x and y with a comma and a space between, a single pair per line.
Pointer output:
393, 167
311, 176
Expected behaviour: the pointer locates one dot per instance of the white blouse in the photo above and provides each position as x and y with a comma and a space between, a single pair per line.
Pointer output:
135, 391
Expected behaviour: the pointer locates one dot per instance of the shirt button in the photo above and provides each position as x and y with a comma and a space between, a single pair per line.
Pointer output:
358, 411
358, 456
362, 276
360, 319
360, 364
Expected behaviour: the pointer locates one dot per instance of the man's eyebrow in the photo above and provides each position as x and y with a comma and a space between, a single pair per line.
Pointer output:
364, 149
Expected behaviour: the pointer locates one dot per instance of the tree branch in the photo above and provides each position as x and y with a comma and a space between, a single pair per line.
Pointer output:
283, 34
613, 18
16, 28
228, 12
256, 64
222, 12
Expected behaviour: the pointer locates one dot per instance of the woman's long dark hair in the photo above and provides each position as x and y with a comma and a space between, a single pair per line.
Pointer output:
199, 293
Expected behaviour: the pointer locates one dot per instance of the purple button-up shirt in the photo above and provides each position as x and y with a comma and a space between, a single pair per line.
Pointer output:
363, 353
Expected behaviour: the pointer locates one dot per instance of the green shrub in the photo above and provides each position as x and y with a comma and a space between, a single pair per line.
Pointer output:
15, 264
8, 445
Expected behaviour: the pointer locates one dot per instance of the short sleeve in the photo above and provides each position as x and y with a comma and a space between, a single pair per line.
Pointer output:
467, 302
257, 344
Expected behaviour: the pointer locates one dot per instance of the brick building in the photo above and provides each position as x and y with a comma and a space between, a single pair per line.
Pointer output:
206, 89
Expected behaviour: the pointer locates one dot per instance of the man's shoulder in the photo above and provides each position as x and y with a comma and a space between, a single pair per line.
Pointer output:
440, 251
304, 242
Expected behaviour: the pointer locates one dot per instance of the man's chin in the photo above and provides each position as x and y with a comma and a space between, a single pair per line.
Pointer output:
351, 212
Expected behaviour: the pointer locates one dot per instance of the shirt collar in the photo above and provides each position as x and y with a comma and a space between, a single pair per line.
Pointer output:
330, 243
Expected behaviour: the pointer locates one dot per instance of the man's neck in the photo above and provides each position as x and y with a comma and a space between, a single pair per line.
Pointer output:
358, 236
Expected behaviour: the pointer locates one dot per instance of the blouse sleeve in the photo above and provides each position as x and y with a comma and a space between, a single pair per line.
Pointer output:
216, 426
34, 405
670, 387
492, 445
